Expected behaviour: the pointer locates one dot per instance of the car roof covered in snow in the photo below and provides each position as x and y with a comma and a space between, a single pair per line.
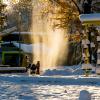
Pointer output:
90, 19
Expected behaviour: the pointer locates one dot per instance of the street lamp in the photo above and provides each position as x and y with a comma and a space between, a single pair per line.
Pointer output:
19, 33
19, 29
2, 24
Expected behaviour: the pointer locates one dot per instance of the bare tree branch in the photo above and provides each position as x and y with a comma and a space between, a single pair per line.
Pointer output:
77, 6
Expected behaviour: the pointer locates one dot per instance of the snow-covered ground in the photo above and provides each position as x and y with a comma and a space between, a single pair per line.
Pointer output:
58, 86
23, 87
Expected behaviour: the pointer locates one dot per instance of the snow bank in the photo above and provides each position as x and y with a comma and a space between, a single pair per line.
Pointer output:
62, 72
12, 68
78, 72
49, 80
24, 87
68, 70
87, 66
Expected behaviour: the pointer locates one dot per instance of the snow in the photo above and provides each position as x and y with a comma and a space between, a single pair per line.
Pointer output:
29, 48
85, 95
98, 51
98, 38
90, 17
64, 83
12, 68
23, 87
86, 66
65, 71
58, 72
92, 44
30, 33
98, 70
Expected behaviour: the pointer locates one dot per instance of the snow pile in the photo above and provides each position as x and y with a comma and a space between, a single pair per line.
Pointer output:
84, 95
87, 66
77, 69
63, 72
78, 72
69, 70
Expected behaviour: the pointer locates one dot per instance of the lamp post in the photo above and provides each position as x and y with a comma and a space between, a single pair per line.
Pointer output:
19, 34
2, 24
19, 30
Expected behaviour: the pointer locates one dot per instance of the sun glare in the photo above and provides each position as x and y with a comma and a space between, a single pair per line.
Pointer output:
50, 45
8, 2
15, 1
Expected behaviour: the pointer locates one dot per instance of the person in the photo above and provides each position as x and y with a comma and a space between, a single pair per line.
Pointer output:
28, 67
33, 69
38, 67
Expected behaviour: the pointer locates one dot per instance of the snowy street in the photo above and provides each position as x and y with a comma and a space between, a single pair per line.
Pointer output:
49, 49
23, 87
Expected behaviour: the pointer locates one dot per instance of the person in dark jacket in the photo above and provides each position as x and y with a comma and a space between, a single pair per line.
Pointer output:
38, 67
33, 69
28, 67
